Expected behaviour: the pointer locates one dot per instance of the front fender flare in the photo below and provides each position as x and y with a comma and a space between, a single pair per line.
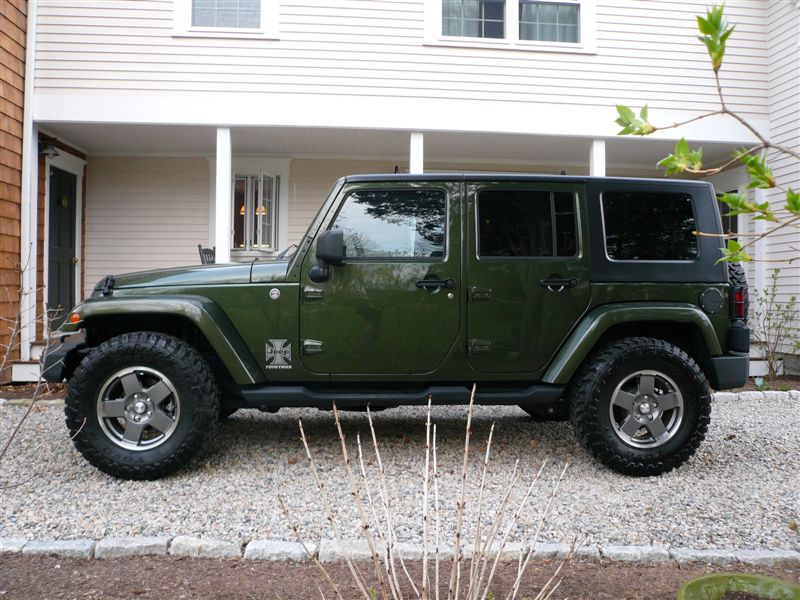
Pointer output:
591, 328
205, 314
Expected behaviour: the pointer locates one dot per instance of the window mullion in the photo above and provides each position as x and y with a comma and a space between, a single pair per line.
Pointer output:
512, 20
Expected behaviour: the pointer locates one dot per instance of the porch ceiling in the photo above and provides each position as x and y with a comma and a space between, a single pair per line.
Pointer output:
98, 139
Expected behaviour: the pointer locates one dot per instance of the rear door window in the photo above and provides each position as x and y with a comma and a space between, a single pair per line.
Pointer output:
526, 223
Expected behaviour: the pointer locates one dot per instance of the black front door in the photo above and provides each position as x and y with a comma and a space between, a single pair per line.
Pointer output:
61, 251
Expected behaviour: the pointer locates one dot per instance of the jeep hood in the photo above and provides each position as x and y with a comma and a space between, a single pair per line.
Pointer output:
201, 275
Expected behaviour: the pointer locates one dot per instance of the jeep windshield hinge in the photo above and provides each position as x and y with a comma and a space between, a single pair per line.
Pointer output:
108, 286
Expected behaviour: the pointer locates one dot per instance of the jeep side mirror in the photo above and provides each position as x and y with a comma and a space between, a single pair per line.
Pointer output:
330, 251
330, 247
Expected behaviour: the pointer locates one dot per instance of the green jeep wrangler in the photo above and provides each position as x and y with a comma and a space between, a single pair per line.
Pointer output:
591, 299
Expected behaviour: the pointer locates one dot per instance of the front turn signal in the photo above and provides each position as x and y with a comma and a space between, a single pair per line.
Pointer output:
74, 318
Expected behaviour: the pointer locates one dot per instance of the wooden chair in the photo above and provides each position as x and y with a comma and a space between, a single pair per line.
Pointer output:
207, 255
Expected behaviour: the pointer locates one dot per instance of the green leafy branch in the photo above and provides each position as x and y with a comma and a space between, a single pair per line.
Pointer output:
714, 33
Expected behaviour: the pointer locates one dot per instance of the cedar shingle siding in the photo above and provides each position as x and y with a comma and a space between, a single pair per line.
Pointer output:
13, 22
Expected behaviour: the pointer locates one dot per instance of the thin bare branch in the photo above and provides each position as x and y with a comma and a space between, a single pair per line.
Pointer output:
452, 592
311, 556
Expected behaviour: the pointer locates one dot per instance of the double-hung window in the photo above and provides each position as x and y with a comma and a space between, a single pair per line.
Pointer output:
243, 14
543, 24
549, 21
255, 213
226, 18
473, 18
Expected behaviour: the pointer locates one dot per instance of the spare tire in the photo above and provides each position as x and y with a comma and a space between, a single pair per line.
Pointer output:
737, 278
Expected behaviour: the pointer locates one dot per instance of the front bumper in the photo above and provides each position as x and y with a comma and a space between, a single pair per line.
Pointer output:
62, 358
729, 370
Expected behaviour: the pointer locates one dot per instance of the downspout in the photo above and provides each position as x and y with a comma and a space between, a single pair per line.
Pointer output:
29, 195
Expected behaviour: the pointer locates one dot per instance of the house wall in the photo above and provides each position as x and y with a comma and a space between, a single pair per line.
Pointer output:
144, 213
369, 64
13, 22
784, 107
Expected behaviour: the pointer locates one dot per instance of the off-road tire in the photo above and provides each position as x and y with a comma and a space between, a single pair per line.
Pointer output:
192, 379
591, 393
737, 277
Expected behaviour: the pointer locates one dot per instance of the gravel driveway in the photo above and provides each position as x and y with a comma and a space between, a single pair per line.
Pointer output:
741, 491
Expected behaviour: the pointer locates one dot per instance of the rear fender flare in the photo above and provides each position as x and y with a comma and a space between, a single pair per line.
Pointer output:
592, 327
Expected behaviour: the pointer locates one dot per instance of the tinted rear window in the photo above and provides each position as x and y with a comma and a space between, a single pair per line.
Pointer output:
649, 226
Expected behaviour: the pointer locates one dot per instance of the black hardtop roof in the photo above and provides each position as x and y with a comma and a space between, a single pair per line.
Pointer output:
456, 176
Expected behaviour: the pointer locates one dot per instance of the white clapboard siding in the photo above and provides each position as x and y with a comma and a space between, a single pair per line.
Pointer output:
144, 213
784, 118
646, 52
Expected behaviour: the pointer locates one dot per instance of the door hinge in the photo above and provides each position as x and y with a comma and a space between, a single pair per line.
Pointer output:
312, 293
477, 294
312, 347
479, 346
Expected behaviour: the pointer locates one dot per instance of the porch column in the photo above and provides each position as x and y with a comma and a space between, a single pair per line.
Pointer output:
416, 153
597, 158
222, 216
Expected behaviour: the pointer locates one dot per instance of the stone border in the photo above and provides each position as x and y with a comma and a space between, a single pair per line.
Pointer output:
331, 551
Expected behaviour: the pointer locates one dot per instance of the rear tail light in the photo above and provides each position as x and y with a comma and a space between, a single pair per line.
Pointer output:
739, 301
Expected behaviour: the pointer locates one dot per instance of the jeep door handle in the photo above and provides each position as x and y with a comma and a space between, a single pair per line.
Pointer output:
430, 284
556, 284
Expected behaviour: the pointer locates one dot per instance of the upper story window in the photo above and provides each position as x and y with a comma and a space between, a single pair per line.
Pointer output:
556, 25
473, 18
226, 13
226, 18
549, 21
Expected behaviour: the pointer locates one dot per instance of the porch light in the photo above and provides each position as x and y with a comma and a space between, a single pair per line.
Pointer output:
50, 151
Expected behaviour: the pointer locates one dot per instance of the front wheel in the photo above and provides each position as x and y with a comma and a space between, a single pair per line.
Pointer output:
140, 405
640, 406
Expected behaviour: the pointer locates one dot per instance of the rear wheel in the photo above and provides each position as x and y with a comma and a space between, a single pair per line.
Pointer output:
142, 404
640, 406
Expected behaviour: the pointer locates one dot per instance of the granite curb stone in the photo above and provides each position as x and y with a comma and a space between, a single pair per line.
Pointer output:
550, 551
278, 551
635, 553
332, 551
716, 557
329, 550
766, 557
12, 545
111, 547
69, 548
184, 545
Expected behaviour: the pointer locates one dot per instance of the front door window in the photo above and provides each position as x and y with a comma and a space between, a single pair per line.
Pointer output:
393, 306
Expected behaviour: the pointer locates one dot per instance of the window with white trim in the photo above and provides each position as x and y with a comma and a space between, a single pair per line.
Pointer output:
255, 222
549, 21
226, 13
560, 25
226, 18
474, 18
